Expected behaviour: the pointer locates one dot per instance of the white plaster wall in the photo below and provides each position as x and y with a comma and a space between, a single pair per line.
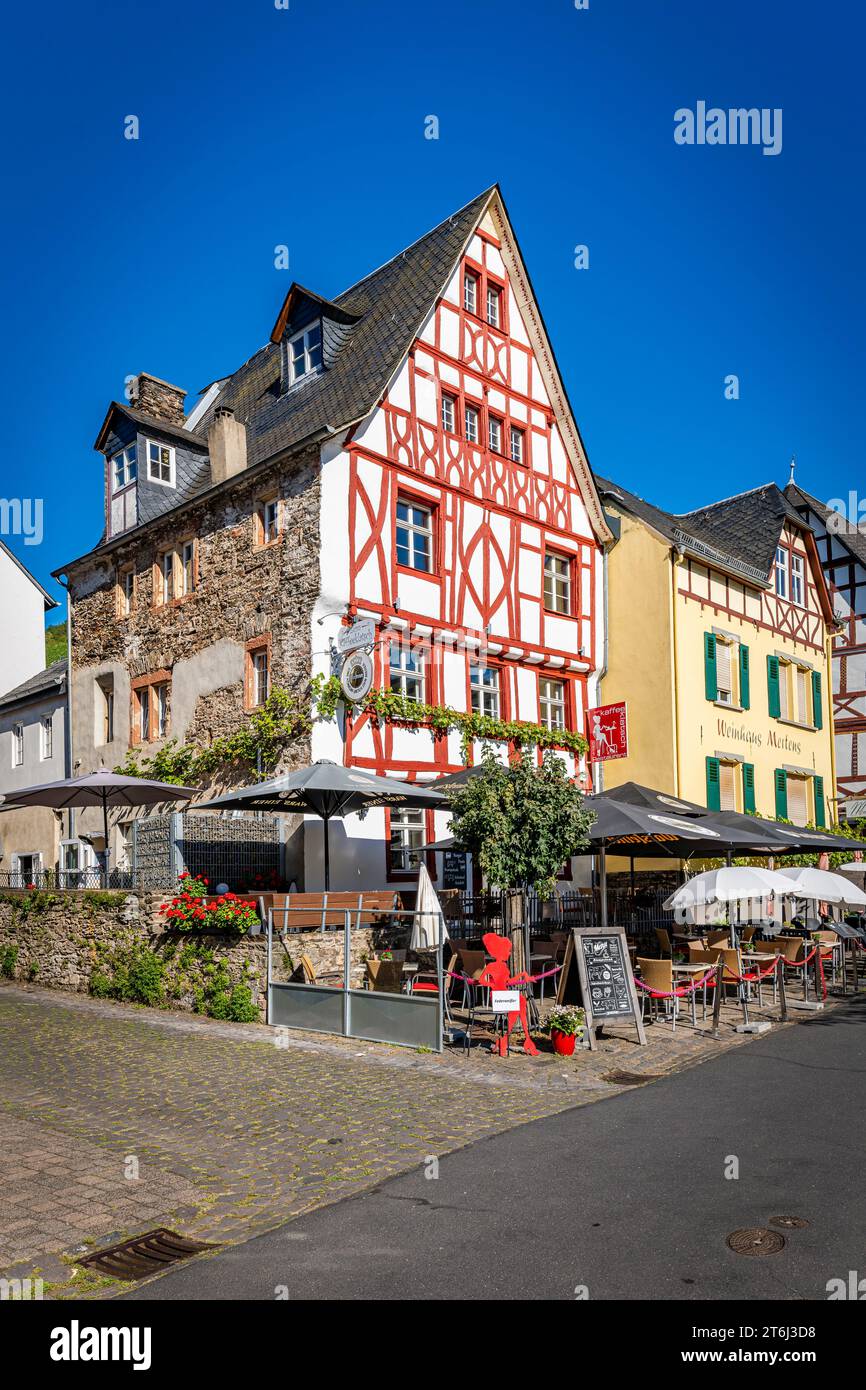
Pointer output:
22, 626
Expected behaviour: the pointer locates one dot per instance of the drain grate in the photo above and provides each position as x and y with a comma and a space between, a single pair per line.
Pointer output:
147, 1254
789, 1223
755, 1240
630, 1078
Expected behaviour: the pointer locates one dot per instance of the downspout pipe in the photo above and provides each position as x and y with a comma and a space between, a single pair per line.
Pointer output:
67, 757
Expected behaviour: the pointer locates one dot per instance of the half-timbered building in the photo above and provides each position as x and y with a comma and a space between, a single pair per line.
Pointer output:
842, 548
720, 629
403, 453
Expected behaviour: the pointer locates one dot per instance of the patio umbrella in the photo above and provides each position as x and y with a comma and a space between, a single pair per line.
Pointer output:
821, 886
326, 789
102, 789
428, 919
731, 884
857, 866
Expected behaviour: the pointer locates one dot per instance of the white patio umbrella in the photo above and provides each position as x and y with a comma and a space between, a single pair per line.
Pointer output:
821, 886
857, 866
731, 884
428, 920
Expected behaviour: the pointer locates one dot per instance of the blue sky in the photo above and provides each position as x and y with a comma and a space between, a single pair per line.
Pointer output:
305, 127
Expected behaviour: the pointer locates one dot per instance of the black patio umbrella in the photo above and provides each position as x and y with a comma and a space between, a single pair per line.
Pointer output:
326, 790
102, 789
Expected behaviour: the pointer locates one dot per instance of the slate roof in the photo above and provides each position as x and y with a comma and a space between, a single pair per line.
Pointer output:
740, 532
52, 678
150, 422
392, 304
854, 540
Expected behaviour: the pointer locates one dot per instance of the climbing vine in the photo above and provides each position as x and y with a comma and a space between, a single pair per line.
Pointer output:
260, 742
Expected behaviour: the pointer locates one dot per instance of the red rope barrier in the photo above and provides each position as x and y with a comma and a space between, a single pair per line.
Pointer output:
683, 991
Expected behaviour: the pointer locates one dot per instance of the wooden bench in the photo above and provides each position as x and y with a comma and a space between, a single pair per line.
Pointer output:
324, 910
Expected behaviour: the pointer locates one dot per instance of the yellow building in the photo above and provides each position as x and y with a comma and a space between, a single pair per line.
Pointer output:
719, 641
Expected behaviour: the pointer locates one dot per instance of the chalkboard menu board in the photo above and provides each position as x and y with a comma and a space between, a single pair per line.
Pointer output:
605, 984
454, 869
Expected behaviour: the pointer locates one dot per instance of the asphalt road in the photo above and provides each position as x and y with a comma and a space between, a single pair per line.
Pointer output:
627, 1198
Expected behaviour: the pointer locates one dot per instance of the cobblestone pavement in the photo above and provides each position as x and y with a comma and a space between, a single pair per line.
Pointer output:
234, 1134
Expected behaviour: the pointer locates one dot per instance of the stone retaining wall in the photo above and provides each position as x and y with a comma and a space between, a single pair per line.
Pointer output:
72, 941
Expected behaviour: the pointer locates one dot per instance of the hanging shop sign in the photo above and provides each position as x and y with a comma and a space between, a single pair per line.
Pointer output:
356, 677
608, 732
360, 634
605, 983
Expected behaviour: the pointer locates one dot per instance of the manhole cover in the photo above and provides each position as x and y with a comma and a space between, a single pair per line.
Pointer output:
629, 1078
789, 1223
136, 1259
756, 1240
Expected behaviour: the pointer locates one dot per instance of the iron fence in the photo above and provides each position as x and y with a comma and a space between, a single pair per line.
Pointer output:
71, 879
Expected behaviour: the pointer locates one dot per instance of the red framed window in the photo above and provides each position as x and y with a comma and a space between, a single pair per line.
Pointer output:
495, 431
414, 533
558, 583
449, 413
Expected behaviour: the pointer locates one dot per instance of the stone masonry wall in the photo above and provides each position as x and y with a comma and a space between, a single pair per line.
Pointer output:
59, 940
243, 591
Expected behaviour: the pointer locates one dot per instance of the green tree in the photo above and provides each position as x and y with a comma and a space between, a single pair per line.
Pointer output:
520, 822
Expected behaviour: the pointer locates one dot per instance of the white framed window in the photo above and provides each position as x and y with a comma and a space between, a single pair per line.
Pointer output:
781, 571
160, 463
557, 582
449, 414
494, 434
27, 869
414, 533
46, 737
484, 689
797, 584
551, 702
494, 306
261, 675
470, 292
470, 424
124, 845
124, 468
406, 671
17, 745
515, 444
407, 834
305, 352
725, 677
187, 567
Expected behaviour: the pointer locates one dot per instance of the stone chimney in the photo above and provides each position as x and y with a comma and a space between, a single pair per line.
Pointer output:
158, 398
227, 445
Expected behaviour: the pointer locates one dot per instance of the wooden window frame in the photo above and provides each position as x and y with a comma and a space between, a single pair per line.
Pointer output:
122, 573
567, 712
430, 505
260, 540
130, 468
553, 553
152, 682
175, 550
171, 481
251, 648
420, 651
501, 687
453, 397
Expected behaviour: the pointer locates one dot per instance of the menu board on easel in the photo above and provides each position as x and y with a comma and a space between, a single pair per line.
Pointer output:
603, 982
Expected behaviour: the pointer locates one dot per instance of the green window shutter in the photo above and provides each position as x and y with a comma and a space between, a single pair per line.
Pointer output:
745, 694
711, 684
749, 787
781, 794
773, 693
714, 790
820, 809
817, 701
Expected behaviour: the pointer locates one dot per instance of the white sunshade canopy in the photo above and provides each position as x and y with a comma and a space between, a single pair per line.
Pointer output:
819, 885
428, 923
728, 885
857, 866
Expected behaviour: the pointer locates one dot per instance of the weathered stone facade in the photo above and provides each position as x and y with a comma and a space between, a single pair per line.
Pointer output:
243, 591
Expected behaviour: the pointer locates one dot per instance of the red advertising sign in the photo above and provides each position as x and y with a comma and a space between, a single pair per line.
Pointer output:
608, 732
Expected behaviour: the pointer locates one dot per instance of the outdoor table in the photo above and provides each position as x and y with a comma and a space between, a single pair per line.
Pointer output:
758, 959
692, 968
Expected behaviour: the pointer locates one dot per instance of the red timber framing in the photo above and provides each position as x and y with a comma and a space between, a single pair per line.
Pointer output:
845, 574
494, 512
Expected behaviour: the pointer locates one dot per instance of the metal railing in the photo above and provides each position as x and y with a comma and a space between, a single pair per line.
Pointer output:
66, 879
326, 1001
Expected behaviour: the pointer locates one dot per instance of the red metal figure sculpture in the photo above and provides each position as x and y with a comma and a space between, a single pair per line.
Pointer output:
496, 976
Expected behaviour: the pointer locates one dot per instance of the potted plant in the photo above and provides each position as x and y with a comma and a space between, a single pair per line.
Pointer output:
565, 1024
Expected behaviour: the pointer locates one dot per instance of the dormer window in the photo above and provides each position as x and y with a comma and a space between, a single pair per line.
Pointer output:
124, 468
160, 463
305, 352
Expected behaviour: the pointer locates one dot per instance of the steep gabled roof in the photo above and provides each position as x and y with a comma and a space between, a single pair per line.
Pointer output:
739, 533
853, 539
148, 422
52, 678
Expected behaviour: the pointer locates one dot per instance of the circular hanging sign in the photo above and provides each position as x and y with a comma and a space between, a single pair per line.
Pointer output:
356, 677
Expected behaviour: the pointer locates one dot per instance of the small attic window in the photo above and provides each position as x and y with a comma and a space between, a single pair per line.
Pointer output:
123, 468
305, 352
160, 463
